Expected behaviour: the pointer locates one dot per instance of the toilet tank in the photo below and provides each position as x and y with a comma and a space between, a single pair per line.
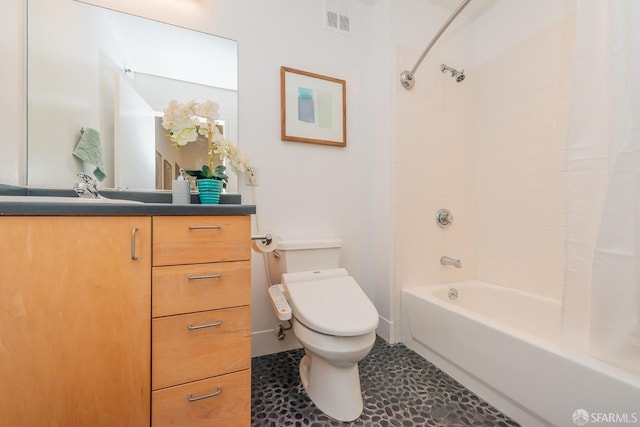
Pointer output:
292, 256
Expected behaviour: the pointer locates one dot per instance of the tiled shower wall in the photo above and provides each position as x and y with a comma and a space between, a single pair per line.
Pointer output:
521, 115
490, 149
434, 157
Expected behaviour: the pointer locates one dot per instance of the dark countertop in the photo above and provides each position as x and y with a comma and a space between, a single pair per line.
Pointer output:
155, 203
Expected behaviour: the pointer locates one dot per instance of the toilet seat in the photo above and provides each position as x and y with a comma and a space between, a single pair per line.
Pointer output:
333, 306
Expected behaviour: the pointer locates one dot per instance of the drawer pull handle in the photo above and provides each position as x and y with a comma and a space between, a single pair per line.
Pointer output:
208, 325
134, 256
205, 276
205, 227
204, 396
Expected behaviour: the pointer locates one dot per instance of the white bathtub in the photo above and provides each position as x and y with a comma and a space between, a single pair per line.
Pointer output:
502, 344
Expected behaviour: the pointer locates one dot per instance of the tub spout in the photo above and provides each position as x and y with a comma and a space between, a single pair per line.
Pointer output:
445, 260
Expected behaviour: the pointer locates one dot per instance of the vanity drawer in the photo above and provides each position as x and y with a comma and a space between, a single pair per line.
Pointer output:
190, 347
188, 288
200, 239
230, 407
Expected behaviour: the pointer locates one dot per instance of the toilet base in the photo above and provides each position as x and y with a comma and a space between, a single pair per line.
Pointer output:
335, 390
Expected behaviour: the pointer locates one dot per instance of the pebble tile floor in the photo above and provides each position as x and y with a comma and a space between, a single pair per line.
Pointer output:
400, 388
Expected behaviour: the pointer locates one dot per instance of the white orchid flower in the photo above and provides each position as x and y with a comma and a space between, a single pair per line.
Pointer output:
186, 121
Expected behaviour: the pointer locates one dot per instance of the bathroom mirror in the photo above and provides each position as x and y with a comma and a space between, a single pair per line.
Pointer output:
91, 67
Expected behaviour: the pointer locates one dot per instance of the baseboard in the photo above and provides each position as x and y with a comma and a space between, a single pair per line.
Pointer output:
266, 342
387, 330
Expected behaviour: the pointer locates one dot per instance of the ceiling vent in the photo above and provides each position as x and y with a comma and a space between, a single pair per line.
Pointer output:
337, 15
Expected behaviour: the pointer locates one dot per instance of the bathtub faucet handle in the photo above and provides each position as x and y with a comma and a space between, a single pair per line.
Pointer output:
446, 260
444, 218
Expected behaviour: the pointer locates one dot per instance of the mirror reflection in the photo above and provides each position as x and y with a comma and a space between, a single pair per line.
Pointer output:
105, 71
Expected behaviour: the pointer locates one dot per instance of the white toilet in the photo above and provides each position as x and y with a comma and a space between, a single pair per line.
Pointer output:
333, 320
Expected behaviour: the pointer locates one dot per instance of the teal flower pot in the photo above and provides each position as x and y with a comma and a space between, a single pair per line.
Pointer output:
209, 191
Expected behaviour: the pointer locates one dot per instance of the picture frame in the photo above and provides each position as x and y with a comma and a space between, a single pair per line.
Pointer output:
313, 108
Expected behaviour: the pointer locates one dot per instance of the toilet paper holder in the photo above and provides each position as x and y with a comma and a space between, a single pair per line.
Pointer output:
265, 238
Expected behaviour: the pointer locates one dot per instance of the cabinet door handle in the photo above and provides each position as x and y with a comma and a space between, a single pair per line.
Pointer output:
205, 227
205, 276
192, 398
208, 325
133, 243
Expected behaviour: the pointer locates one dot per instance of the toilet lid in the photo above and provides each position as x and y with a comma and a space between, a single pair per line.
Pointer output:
334, 306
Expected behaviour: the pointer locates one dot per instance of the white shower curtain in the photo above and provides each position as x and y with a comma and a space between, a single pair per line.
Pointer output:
601, 301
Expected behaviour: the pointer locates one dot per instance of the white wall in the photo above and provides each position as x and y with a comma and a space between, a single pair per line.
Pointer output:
434, 150
12, 103
304, 190
308, 190
523, 55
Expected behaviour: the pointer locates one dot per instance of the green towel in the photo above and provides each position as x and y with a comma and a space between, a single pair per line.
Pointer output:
89, 149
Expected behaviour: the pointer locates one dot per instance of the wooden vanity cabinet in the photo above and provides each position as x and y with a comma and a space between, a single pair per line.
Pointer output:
74, 320
125, 321
201, 326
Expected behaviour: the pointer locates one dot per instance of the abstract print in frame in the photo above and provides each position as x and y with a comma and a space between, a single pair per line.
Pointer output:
313, 108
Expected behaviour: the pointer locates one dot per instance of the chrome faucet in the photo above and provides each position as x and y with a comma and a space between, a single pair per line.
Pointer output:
87, 188
445, 260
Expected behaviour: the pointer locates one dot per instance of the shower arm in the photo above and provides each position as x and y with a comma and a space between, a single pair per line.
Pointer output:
406, 78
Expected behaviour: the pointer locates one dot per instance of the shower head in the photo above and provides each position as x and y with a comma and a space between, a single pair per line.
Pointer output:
458, 75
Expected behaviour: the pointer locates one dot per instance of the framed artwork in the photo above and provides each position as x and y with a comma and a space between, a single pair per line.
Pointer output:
313, 108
